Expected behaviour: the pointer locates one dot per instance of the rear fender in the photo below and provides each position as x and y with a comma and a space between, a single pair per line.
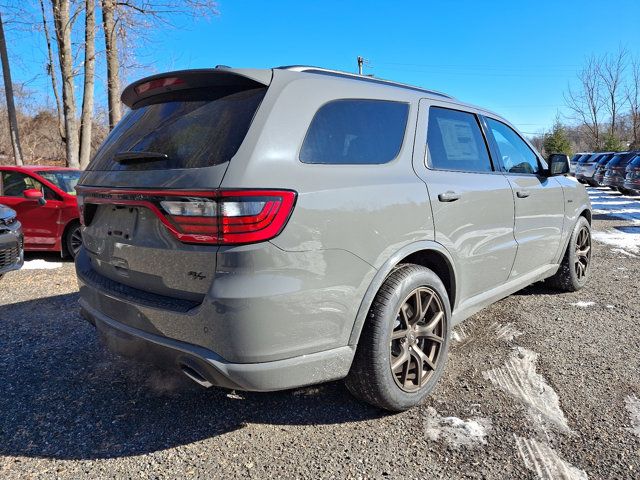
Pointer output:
384, 272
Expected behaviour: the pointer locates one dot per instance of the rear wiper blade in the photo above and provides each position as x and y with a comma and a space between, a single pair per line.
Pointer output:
130, 157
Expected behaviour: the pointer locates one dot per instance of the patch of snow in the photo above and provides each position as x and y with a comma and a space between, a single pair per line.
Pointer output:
626, 241
518, 377
583, 304
506, 332
610, 306
624, 252
39, 264
609, 202
633, 407
455, 431
542, 460
461, 333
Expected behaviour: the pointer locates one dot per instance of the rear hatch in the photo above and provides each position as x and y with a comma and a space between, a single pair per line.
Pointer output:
148, 200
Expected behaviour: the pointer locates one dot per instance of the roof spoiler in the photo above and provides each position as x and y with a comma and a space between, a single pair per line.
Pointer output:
188, 79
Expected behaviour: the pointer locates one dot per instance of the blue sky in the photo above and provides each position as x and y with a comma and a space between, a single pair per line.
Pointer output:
514, 57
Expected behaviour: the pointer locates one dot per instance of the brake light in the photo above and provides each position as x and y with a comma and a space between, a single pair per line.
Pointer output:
221, 217
158, 83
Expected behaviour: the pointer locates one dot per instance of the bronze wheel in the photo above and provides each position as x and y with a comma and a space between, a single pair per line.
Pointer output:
416, 339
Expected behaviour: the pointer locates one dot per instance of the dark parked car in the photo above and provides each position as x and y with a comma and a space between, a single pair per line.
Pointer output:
268, 229
632, 179
11, 241
586, 168
598, 174
616, 170
574, 162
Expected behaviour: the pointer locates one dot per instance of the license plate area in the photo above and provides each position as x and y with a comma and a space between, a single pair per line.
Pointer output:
122, 222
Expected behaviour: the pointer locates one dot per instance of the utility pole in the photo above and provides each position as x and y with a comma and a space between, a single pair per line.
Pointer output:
360, 63
11, 108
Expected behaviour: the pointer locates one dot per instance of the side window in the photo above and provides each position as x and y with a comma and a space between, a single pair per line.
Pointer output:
355, 132
455, 142
15, 183
516, 155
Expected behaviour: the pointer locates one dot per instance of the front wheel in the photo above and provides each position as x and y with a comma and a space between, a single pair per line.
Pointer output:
403, 347
73, 239
576, 265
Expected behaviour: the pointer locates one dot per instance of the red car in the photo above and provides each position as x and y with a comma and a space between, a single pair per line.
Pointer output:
45, 201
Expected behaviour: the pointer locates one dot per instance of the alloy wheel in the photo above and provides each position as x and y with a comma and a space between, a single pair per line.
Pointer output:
583, 253
417, 339
76, 241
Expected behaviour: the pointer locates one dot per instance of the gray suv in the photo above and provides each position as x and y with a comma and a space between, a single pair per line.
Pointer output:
269, 229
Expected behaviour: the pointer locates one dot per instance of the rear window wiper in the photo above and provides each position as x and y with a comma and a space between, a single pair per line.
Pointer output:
134, 157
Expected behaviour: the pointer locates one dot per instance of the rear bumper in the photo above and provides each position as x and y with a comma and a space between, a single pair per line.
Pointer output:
209, 369
632, 184
616, 181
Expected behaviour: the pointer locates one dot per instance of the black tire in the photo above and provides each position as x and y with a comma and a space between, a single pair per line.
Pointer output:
571, 277
371, 378
71, 245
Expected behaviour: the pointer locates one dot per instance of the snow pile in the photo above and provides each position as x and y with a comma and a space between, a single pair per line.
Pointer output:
456, 431
518, 377
39, 264
583, 304
633, 407
545, 462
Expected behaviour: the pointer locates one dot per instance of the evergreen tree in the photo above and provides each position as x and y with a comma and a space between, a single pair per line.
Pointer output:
557, 141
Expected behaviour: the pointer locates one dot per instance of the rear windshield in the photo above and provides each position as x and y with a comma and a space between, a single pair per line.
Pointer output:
189, 130
620, 160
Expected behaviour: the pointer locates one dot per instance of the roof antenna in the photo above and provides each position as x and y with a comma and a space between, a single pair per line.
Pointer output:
361, 62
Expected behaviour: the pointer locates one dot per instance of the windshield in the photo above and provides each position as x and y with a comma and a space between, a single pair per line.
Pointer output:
65, 180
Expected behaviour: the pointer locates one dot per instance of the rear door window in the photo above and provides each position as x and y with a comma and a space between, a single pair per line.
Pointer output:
355, 132
192, 129
455, 142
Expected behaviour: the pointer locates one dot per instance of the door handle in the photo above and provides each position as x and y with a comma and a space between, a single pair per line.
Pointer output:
449, 196
523, 193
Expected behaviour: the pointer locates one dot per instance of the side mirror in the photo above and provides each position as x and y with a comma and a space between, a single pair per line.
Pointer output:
33, 194
558, 164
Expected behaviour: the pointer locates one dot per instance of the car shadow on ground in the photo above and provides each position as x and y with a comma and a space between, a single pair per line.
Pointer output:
64, 396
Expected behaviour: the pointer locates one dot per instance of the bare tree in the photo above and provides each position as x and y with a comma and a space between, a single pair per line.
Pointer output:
62, 23
587, 101
11, 108
632, 91
86, 119
51, 71
113, 61
125, 22
611, 70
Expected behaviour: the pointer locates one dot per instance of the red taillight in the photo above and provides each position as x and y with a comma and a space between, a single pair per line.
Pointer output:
158, 83
221, 217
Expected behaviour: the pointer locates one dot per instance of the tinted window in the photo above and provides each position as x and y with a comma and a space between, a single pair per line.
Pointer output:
193, 129
65, 180
455, 142
516, 155
635, 161
355, 132
15, 183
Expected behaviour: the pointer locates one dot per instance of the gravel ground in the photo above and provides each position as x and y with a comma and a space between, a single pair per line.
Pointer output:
540, 384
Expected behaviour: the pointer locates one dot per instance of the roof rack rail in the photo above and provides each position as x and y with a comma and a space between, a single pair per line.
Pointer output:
362, 78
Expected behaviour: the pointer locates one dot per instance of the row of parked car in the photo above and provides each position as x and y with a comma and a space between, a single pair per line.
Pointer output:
617, 170
38, 211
